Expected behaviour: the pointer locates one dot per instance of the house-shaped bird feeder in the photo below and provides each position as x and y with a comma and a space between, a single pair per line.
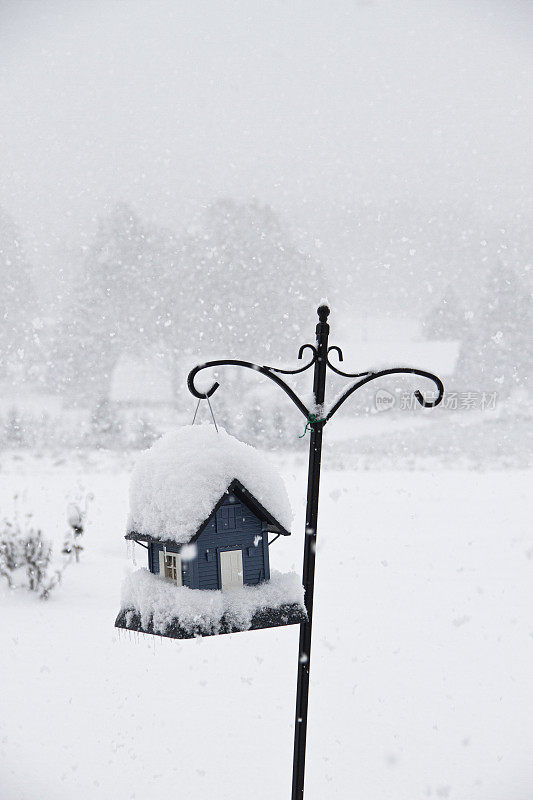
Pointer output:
207, 507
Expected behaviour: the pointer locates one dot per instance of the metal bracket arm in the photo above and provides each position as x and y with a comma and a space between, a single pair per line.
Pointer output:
270, 372
273, 374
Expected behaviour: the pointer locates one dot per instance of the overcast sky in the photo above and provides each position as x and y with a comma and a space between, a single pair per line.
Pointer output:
307, 105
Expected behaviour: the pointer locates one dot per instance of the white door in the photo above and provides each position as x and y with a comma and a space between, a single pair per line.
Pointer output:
231, 572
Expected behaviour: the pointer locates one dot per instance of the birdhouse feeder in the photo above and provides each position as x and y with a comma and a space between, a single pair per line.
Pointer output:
207, 507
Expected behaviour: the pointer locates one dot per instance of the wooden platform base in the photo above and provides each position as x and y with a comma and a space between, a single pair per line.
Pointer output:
267, 618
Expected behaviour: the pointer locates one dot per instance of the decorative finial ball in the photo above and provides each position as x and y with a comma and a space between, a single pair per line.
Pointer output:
323, 311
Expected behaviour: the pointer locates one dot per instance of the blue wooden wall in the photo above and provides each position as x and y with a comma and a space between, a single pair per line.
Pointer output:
233, 525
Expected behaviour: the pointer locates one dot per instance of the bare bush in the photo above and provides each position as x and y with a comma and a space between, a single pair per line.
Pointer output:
26, 556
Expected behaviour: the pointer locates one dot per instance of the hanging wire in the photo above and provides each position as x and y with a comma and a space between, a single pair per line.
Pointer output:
196, 411
210, 409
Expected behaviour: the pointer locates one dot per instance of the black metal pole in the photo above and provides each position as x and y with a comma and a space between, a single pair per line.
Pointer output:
316, 420
313, 484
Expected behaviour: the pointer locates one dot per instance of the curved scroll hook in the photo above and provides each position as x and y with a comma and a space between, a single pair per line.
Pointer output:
310, 347
395, 371
192, 388
337, 350
263, 370
341, 358
300, 369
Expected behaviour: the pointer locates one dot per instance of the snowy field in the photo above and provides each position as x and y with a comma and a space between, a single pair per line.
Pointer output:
422, 662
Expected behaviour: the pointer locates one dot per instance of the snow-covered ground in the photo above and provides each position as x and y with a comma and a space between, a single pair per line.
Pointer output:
421, 668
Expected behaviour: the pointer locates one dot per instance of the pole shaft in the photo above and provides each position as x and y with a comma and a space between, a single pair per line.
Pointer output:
313, 485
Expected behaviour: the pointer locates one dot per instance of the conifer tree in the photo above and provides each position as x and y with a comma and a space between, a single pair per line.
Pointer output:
254, 290
17, 300
447, 320
499, 354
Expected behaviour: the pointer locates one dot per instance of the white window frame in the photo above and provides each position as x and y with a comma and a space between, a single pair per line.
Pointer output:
176, 567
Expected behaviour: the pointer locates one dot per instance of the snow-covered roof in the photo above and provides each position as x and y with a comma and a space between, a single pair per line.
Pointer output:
439, 357
178, 482
379, 342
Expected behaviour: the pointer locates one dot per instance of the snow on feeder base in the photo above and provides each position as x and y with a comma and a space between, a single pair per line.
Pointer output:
153, 605
204, 505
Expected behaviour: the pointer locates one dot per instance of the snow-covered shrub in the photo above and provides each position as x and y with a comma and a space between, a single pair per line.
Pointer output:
76, 521
36, 554
26, 556
9, 552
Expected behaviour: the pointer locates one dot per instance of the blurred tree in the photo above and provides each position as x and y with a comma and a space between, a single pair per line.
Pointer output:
144, 433
118, 304
446, 320
14, 429
498, 356
233, 284
251, 291
106, 425
17, 300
